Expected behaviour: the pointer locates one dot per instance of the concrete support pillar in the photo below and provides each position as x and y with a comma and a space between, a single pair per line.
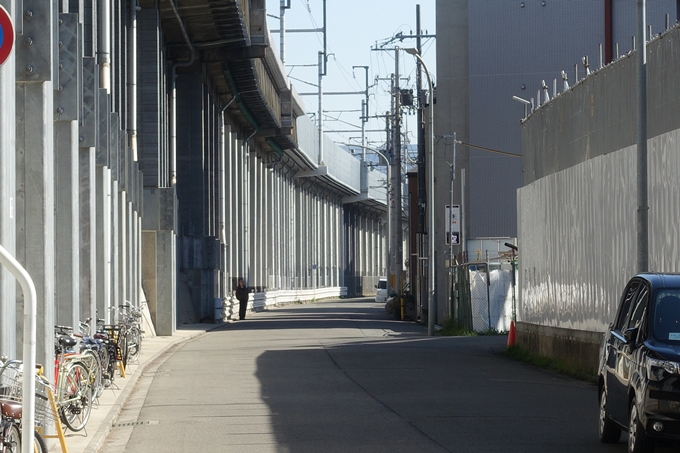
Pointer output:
123, 248
133, 260
302, 234
8, 284
35, 205
307, 238
88, 191
368, 251
254, 244
88, 232
339, 258
295, 228
232, 208
325, 239
246, 191
103, 242
276, 227
342, 258
262, 217
166, 292
335, 235
159, 257
138, 261
250, 238
67, 186
292, 245
237, 225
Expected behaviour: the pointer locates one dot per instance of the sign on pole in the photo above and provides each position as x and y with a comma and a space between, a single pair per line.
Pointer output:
452, 224
6, 35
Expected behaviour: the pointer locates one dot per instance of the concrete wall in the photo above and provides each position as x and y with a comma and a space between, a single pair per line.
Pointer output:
580, 349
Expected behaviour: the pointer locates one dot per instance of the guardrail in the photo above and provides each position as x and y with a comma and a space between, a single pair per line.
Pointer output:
264, 299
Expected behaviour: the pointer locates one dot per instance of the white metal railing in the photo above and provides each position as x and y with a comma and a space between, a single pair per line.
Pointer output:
29, 349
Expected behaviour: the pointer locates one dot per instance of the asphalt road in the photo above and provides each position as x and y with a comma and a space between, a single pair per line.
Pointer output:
341, 376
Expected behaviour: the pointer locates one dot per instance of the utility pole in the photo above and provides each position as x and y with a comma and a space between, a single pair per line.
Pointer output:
364, 115
322, 57
285, 4
396, 179
422, 194
390, 209
642, 201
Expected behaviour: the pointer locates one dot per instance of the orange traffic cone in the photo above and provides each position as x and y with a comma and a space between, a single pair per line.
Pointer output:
511, 334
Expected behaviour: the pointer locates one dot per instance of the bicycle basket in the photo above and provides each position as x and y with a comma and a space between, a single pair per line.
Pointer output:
11, 388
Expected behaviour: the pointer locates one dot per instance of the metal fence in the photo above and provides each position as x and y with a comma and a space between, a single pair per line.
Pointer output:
483, 296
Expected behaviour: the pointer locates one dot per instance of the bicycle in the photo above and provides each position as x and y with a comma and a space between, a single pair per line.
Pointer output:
87, 355
10, 429
132, 318
107, 347
73, 391
11, 382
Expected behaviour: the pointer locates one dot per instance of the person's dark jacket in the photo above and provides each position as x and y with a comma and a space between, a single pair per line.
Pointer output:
242, 293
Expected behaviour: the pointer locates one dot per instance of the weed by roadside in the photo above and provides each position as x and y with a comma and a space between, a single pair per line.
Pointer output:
453, 329
547, 363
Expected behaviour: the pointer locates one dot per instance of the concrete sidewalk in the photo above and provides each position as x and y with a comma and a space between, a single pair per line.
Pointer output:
112, 400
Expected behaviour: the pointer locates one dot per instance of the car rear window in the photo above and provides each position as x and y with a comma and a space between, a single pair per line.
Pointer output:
667, 315
382, 284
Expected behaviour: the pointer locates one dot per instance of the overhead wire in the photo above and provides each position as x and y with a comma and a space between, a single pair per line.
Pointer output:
379, 66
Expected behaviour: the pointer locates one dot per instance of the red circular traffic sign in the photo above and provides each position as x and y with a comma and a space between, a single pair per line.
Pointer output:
6, 35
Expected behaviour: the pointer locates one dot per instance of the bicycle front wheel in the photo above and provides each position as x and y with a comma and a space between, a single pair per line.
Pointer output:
93, 363
76, 397
13, 440
134, 344
122, 346
39, 445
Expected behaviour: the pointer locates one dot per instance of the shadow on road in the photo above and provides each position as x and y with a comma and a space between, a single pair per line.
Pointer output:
394, 389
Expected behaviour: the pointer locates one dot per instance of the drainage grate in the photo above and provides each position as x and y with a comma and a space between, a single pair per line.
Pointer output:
137, 423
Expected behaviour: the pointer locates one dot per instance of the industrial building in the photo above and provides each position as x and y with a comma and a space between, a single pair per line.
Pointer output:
487, 53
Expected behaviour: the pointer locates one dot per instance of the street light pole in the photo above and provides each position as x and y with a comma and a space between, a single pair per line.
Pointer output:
642, 189
430, 231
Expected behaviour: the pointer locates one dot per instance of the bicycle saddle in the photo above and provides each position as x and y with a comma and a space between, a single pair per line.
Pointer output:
66, 341
101, 336
11, 409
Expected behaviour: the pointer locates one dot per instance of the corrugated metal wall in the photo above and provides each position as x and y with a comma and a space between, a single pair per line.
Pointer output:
578, 232
577, 218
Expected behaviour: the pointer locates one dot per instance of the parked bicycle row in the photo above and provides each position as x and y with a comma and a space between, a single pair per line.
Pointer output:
85, 365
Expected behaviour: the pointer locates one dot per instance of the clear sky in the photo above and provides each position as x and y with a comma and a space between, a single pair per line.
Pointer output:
355, 27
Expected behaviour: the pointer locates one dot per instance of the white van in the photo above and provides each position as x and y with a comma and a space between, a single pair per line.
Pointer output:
381, 291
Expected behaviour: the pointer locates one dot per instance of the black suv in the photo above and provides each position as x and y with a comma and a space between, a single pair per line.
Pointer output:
639, 373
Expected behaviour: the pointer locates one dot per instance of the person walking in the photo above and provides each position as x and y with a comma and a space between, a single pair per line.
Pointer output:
242, 296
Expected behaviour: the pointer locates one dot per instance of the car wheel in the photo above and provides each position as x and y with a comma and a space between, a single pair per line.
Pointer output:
638, 441
610, 433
